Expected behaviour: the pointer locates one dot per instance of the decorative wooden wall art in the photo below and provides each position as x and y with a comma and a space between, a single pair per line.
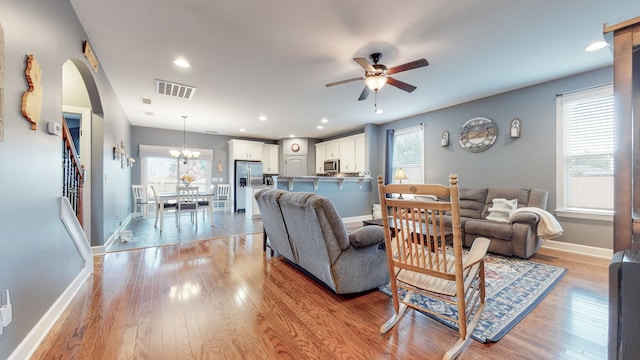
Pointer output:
91, 57
32, 98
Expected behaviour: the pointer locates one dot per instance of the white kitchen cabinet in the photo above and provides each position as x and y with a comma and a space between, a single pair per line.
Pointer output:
245, 150
332, 150
350, 150
321, 156
270, 159
347, 154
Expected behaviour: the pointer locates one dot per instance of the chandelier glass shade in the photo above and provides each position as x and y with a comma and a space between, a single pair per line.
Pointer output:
184, 154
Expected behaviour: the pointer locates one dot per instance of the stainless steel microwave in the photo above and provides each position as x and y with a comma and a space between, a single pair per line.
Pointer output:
332, 166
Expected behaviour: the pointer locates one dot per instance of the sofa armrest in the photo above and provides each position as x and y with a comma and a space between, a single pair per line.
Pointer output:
366, 235
524, 217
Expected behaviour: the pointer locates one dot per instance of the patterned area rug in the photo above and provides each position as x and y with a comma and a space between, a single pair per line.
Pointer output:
514, 287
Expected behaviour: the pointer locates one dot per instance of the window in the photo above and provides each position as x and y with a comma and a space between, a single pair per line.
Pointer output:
408, 153
585, 145
163, 172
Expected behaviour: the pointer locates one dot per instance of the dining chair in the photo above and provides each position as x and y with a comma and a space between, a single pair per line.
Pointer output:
141, 202
222, 196
423, 264
167, 205
187, 202
204, 202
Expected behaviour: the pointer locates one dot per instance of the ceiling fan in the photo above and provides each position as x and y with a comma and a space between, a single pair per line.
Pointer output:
376, 75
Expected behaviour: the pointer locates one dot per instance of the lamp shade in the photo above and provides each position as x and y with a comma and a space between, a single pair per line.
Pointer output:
375, 82
400, 175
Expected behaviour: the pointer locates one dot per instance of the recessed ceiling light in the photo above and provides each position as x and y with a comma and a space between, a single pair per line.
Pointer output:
262, 118
379, 111
292, 136
324, 121
597, 45
181, 62
320, 127
243, 130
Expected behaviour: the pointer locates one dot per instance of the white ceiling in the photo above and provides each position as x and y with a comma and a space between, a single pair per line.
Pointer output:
273, 58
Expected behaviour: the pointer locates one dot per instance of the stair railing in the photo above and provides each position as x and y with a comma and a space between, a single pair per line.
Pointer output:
73, 173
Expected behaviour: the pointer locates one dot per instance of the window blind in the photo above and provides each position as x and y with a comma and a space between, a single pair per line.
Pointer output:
587, 149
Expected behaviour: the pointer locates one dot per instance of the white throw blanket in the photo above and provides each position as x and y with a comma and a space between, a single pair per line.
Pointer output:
548, 227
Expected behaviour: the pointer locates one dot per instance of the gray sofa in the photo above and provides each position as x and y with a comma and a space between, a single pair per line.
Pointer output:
307, 230
518, 237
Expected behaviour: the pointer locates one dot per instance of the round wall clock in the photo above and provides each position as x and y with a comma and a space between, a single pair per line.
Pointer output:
478, 134
295, 147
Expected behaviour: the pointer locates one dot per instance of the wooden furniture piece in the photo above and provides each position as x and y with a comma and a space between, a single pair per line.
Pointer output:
433, 269
624, 270
625, 38
222, 196
187, 202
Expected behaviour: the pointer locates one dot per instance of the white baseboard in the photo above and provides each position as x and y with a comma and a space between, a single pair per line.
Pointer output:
102, 249
578, 249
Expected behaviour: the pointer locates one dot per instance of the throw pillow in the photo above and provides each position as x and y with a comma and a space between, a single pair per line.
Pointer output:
502, 209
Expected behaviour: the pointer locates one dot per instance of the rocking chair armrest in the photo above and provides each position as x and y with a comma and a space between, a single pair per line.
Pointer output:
477, 252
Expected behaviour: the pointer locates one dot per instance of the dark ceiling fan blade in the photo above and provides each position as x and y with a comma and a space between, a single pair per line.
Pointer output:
364, 63
344, 81
365, 93
400, 84
408, 66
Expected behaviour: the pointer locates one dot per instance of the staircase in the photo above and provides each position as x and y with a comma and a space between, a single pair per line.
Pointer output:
72, 172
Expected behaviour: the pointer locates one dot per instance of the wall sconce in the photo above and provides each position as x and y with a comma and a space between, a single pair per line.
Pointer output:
130, 161
515, 128
444, 140
118, 151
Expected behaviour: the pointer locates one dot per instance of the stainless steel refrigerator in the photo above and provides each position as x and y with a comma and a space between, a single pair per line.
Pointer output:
247, 174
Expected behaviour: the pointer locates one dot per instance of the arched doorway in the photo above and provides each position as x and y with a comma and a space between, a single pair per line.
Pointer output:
80, 101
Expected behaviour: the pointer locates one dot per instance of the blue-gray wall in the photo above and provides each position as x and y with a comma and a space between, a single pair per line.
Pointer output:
38, 259
528, 161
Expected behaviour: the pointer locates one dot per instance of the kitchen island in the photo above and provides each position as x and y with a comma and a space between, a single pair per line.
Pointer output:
352, 196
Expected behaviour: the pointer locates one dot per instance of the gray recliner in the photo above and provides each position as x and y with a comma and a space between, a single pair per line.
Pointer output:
307, 230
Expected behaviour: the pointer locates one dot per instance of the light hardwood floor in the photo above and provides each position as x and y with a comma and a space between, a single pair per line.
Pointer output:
224, 299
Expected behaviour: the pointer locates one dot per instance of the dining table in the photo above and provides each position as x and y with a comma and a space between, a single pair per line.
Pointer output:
165, 197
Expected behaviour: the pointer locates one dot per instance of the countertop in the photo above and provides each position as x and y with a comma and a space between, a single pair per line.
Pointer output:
317, 179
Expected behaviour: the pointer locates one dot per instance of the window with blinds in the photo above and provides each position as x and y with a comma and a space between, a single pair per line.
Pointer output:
408, 153
586, 124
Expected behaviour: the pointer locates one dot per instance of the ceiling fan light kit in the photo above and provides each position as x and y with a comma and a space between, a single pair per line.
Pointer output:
375, 82
377, 75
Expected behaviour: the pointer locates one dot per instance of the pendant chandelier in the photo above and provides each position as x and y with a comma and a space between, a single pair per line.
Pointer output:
184, 154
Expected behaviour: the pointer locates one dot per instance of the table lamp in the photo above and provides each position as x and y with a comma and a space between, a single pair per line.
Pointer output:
400, 175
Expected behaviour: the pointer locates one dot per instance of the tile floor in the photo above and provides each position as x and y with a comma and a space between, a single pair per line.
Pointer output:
146, 235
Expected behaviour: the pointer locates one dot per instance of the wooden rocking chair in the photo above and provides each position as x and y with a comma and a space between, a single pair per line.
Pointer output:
425, 255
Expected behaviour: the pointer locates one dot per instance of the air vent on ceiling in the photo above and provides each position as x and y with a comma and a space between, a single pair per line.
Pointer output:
174, 89
146, 101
